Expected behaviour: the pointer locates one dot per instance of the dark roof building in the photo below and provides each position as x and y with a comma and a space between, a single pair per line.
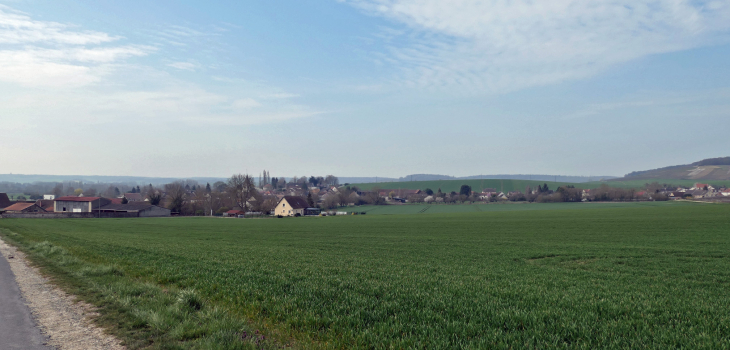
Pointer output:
291, 206
134, 197
297, 202
141, 209
5, 201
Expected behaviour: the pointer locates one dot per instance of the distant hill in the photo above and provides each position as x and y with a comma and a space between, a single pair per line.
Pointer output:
707, 170
131, 180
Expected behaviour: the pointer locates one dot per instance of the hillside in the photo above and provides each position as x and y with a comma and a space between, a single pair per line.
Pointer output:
714, 169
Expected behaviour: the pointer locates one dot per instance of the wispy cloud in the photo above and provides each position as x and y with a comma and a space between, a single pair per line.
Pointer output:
18, 28
42, 53
183, 65
68, 75
506, 45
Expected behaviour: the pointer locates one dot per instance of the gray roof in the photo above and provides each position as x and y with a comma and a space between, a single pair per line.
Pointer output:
133, 206
296, 202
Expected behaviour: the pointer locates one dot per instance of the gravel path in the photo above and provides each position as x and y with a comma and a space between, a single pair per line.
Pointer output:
64, 320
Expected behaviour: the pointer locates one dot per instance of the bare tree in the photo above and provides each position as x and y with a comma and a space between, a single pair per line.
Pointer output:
331, 180
176, 196
268, 205
241, 188
58, 190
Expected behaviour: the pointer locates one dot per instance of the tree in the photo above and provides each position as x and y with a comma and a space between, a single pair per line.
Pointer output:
310, 201
176, 196
154, 196
116, 192
429, 192
207, 187
465, 190
241, 188
124, 200
268, 205
331, 180
58, 190
78, 191
220, 186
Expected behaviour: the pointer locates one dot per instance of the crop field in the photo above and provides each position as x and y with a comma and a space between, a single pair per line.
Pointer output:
455, 185
400, 209
520, 185
625, 276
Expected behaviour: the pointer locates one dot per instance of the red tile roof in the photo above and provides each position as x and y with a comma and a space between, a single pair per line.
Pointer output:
19, 206
77, 199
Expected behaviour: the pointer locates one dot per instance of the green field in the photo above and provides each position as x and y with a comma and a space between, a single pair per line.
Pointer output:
455, 185
621, 276
520, 185
400, 209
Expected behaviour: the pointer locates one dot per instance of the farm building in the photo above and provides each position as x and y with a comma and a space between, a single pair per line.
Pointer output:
18, 208
140, 209
79, 204
47, 205
234, 213
291, 206
5, 201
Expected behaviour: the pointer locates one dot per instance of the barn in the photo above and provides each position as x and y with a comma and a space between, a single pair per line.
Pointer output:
79, 204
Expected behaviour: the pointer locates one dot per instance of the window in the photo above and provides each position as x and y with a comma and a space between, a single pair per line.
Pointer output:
64, 208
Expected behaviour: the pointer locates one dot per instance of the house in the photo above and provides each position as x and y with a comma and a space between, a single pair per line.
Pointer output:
79, 204
291, 206
18, 208
49, 197
726, 192
698, 193
134, 197
138, 209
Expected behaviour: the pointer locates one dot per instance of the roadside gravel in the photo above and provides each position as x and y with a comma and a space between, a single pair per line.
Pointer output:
65, 320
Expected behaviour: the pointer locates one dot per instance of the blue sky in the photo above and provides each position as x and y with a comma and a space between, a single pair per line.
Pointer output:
361, 88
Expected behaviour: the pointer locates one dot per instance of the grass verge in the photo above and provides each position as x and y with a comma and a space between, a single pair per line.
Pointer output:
142, 314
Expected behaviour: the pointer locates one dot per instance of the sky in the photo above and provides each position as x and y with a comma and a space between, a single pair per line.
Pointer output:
361, 87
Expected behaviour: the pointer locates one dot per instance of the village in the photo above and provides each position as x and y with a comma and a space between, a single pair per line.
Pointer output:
242, 196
